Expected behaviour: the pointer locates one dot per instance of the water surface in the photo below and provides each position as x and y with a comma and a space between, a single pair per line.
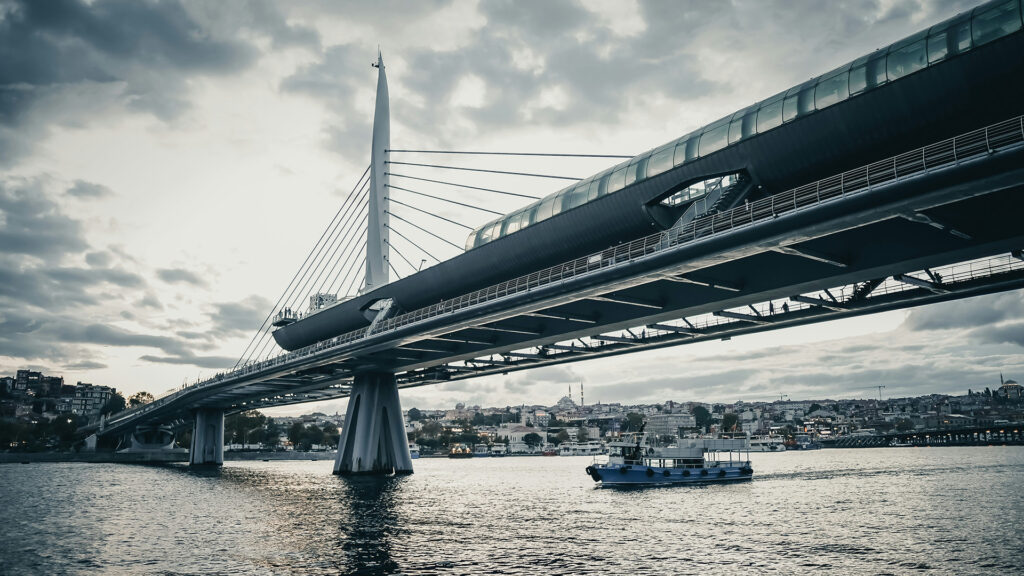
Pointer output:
868, 511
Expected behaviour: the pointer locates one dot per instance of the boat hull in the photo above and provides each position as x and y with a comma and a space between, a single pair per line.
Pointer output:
608, 475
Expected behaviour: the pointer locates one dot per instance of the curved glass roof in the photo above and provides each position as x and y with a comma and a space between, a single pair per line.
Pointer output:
957, 35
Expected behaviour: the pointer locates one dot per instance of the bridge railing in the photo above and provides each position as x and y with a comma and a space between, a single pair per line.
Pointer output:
946, 153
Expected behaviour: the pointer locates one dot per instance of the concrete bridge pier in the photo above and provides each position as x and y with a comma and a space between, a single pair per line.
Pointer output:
207, 438
373, 440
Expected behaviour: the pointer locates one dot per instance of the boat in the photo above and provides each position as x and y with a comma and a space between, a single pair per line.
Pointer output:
481, 451
636, 459
414, 451
804, 442
591, 448
460, 451
767, 444
498, 450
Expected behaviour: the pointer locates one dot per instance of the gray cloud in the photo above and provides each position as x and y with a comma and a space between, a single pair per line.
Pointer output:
180, 276
83, 189
210, 362
67, 61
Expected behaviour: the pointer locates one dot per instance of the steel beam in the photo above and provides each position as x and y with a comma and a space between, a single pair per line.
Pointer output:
926, 284
831, 305
676, 329
810, 254
741, 316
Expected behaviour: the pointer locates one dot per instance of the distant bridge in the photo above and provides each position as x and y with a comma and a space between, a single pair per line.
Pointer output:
898, 193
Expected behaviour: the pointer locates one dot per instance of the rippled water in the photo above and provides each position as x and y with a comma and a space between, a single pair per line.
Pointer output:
882, 511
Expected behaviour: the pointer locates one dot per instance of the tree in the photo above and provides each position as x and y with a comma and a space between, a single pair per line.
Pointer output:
904, 425
295, 433
814, 408
139, 399
562, 436
415, 414
729, 421
634, 421
532, 439
702, 416
114, 405
582, 436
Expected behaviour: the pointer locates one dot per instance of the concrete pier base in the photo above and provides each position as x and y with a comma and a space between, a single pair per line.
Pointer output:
373, 440
207, 438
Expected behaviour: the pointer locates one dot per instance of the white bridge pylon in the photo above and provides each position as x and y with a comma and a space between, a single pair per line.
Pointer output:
373, 439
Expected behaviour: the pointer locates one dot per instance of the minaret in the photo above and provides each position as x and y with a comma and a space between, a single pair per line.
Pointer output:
377, 217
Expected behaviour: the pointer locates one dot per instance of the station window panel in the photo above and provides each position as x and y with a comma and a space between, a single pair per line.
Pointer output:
471, 241
660, 161
960, 37
680, 154
994, 22
561, 202
789, 108
735, 131
906, 59
617, 181
594, 189
858, 79
602, 185
692, 147
832, 90
805, 101
545, 208
636, 170
876, 71
530, 216
510, 225
714, 139
750, 124
770, 115
937, 48
579, 194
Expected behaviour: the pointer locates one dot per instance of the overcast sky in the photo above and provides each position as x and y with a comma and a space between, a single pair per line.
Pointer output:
165, 167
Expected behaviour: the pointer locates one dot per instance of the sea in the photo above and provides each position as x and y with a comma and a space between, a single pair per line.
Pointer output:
856, 511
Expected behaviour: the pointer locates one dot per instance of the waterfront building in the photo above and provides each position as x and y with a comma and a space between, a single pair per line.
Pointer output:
669, 424
90, 398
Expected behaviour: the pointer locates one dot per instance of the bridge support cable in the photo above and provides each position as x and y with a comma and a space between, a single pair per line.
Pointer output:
417, 246
263, 326
346, 255
487, 171
392, 266
543, 154
346, 269
428, 213
346, 239
422, 229
495, 212
492, 190
402, 256
295, 297
357, 277
340, 228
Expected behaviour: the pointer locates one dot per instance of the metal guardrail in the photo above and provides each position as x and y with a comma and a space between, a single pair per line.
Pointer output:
946, 153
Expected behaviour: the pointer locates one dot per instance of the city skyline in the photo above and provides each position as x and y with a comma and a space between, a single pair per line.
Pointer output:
154, 207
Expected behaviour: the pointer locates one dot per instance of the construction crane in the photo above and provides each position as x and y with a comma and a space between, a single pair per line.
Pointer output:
879, 390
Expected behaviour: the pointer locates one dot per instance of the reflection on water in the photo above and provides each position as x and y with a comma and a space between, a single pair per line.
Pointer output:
883, 511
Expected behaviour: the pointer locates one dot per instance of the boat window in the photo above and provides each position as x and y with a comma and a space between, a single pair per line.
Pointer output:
876, 71
770, 115
990, 23
831, 89
617, 181
714, 137
661, 160
906, 59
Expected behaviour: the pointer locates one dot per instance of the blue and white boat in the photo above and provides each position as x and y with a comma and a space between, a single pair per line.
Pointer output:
637, 460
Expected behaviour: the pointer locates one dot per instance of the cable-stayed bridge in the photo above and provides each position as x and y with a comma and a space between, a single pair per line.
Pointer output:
890, 182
